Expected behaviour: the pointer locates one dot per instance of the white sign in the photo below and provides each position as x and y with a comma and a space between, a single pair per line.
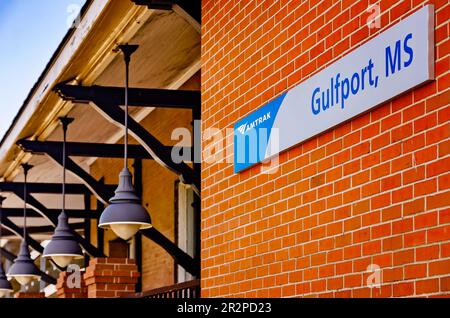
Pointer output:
399, 59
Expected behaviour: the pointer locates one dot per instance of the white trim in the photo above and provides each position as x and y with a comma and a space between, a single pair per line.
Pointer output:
185, 227
20, 275
53, 255
146, 225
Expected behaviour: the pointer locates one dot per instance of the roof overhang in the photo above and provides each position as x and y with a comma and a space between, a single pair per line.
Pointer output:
170, 56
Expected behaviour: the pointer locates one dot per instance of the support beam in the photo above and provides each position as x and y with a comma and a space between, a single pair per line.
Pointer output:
102, 192
9, 225
81, 149
140, 97
155, 4
43, 211
151, 144
13, 228
74, 214
50, 188
39, 207
45, 229
96, 188
193, 7
44, 276
108, 106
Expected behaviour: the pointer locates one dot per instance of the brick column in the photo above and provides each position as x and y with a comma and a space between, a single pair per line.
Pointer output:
64, 291
111, 277
29, 295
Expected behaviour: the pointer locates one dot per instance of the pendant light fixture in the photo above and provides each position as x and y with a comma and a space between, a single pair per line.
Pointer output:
125, 215
5, 285
63, 247
24, 270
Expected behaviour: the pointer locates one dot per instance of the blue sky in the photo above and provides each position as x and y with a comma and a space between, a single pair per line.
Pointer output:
30, 31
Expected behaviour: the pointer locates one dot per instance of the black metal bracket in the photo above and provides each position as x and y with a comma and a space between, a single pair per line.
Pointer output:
193, 7
107, 103
155, 4
44, 228
97, 188
139, 97
9, 225
44, 276
74, 214
50, 188
39, 207
52, 218
83, 149
152, 145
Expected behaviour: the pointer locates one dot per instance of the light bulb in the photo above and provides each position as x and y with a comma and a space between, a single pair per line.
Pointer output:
62, 260
125, 231
24, 280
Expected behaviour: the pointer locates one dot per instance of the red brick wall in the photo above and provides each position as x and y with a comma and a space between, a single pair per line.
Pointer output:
374, 190
111, 277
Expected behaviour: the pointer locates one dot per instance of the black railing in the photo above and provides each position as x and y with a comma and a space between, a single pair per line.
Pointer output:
189, 289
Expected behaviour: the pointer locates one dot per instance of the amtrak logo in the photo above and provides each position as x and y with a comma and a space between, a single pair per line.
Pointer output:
247, 126
241, 128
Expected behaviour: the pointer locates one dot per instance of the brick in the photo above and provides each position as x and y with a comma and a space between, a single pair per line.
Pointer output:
391, 182
403, 257
439, 268
425, 123
403, 225
438, 167
445, 283
392, 274
427, 286
354, 280
414, 239
403, 289
402, 132
438, 134
373, 247
438, 101
425, 220
415, 271
427, 253
413, 175
438, 200
425, 187
414, 206
438, 234
444, 182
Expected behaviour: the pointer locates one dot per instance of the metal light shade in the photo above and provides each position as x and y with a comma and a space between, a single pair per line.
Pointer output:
125, 214
5, 285
24, 270
63, 247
